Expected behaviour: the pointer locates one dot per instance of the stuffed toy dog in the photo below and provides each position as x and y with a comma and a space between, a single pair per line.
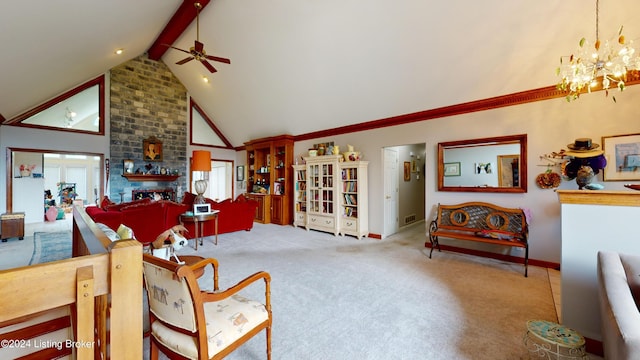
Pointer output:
165, 245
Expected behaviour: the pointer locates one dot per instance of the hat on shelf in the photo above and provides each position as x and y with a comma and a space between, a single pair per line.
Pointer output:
583, 148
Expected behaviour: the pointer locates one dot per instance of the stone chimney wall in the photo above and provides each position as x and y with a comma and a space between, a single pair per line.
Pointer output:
147, 100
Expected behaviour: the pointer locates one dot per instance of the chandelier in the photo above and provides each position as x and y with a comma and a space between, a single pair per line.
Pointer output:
69, 115
597, 65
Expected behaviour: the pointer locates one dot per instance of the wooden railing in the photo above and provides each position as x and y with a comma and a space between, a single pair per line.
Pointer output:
101, 285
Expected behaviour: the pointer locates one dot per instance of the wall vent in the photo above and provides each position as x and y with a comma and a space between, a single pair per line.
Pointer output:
409, 219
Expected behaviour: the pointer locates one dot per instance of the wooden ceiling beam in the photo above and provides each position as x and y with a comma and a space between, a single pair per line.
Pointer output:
184, 16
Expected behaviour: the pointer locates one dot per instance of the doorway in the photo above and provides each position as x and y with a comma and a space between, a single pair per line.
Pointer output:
220, 183
404, 186
49, 169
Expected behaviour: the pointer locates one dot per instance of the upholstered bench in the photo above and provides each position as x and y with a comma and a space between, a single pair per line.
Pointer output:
548, 340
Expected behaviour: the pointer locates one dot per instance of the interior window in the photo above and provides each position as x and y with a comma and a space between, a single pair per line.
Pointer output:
203, 131
78, 110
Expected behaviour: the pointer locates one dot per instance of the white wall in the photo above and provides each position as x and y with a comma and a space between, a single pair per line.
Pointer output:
550, 126
583, 236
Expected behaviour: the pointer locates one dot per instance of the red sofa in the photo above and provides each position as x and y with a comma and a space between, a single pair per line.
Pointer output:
234, 215
148, 218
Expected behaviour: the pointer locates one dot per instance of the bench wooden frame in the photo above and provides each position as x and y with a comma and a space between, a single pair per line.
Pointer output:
481, 222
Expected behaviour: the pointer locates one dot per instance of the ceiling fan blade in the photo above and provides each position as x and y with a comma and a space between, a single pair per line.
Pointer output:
218, 59
199, 46
208, 66
173, 47
185, 60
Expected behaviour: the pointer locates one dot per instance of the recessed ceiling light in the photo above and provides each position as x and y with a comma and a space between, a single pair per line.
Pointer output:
119, 51
205, 79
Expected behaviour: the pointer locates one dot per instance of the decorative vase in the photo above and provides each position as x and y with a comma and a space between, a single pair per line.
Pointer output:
336, 150
351, 156
585, 176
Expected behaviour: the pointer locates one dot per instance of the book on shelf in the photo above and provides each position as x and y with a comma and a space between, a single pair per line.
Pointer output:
350, 212
349, 174
350, 186
350, 199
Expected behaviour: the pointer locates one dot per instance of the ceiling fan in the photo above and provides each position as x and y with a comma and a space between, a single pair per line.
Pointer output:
197, 51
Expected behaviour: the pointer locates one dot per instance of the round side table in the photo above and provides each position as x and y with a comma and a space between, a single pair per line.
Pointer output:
199, 221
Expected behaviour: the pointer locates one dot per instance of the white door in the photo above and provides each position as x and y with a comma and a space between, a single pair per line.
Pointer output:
391, 175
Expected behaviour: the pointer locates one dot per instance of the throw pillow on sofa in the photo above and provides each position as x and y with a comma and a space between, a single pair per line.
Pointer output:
104, 202
188, 198
112, 235
125, 232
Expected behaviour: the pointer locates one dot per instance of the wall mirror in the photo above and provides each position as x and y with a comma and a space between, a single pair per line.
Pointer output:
496, 164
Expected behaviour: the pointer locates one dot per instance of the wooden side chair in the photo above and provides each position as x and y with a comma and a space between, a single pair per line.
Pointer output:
187, 323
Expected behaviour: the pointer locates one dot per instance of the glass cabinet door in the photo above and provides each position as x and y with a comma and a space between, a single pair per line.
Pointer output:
314, 188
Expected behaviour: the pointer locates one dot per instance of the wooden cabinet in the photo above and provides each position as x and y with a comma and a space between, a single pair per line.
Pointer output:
263, 211
270, 177
12, 225
354, 200
331, 195
278, 209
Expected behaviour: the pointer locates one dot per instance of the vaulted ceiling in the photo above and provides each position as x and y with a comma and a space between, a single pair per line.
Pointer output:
304, 66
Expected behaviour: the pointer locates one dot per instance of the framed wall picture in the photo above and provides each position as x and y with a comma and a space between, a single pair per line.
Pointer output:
623, 157
152, 149
240, 173
127, 166
200, 209
452, 169
407, 171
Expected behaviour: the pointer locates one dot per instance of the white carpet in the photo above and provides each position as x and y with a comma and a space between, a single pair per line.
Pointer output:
344, 298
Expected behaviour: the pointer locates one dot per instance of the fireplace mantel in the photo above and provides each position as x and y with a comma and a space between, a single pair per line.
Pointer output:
143, 177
